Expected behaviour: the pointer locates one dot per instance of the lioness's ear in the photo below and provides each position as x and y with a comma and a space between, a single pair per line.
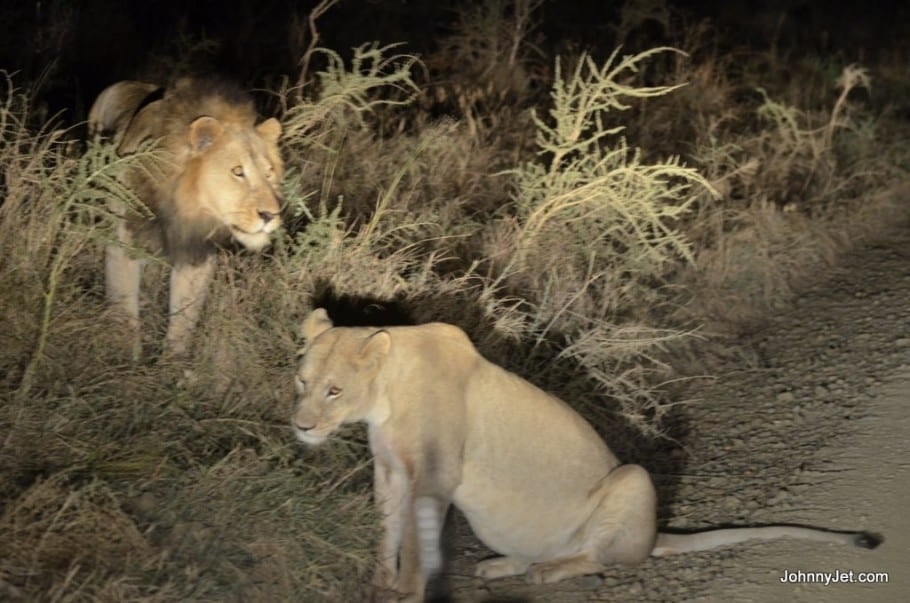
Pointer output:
316, 323
270, 129
203, 132
374, 349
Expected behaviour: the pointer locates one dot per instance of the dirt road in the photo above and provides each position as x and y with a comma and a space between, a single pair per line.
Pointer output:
815, 430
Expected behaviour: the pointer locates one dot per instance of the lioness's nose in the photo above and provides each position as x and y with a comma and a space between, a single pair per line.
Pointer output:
302, 427
267, 216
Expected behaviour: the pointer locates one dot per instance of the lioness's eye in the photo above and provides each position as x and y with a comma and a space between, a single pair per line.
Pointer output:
237, 170
333, 392
299, 385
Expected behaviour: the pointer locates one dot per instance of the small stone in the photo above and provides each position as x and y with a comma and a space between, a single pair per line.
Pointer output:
589, 582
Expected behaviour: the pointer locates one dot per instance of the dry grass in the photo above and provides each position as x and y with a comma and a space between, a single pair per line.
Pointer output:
573, 252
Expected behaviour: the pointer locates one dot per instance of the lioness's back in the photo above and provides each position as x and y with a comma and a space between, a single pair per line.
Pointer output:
495, 397
517, 422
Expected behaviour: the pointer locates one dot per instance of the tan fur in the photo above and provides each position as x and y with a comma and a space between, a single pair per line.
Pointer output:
535, 481
212, 176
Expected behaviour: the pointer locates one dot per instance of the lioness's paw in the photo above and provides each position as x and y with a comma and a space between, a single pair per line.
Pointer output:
543, 574
562, 569
500, 567
390, 595
384, 579
383, 595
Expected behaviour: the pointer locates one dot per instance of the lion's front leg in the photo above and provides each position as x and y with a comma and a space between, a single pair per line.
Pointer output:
189, 287
123, 275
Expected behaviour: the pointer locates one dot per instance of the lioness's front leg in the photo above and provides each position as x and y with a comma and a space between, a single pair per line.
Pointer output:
410, 575
399, 555
189, 287
388, 491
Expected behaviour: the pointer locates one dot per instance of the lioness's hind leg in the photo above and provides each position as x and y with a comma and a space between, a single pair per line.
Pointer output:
623, 528
500, 567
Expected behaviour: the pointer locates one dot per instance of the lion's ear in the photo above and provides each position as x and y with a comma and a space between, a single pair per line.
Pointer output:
316, 323
270, 129
204, 131
374, 349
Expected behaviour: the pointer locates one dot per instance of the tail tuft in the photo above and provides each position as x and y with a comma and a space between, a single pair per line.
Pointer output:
868, 540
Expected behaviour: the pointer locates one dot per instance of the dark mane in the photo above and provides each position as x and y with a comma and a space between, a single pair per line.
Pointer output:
197, 88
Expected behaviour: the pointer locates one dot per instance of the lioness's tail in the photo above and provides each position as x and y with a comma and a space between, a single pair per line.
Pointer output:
117, 104
672, 544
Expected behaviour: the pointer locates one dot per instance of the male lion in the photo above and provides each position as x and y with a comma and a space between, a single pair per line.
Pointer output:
212, 175
533, 478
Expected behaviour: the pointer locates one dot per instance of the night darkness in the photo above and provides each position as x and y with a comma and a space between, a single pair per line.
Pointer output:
75, 48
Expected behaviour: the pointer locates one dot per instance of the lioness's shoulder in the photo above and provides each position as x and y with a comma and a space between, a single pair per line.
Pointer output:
442, 330
432, 340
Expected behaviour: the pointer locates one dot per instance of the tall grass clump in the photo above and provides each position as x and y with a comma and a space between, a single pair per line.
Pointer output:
488, 64
595, 229
54, 213
805, 185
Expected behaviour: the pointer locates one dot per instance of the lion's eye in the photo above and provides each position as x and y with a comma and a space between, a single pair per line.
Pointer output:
237, 170
332, 392
299, 385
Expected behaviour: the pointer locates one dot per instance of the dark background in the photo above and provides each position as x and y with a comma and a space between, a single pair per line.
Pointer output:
66, 51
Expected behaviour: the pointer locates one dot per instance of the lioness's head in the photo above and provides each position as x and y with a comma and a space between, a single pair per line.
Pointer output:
335, 377
231, 178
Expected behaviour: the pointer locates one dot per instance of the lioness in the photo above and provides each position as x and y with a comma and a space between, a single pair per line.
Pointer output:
533, 478
213, 175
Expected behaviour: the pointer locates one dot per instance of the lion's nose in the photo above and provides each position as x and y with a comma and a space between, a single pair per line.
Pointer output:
267, 216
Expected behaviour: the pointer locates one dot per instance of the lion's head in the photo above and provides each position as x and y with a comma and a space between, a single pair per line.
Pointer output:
230, 179
335, 377
213, 173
